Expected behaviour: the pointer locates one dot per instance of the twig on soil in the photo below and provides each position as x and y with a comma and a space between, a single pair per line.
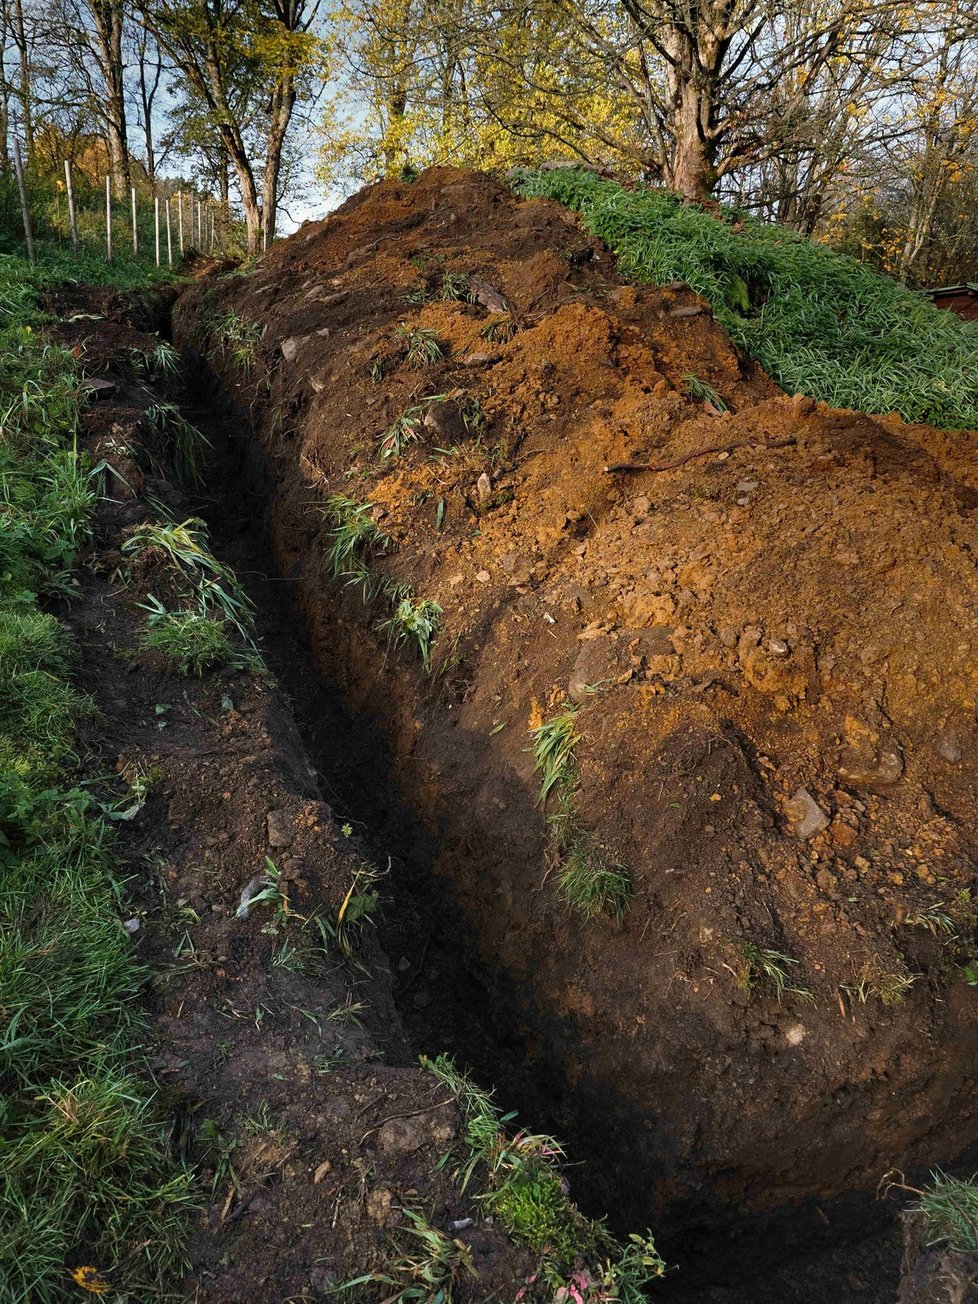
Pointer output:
700, 452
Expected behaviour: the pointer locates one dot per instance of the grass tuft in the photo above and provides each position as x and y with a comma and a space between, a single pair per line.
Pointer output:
950, 1209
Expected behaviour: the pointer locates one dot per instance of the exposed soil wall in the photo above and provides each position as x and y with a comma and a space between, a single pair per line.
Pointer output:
781, 742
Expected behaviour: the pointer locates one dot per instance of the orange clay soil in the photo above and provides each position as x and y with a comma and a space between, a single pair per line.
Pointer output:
784, 616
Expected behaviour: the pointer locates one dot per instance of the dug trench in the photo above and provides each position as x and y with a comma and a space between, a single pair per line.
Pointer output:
765, 653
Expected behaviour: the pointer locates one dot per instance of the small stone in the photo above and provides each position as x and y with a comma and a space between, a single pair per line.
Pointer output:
483, 487
379, 1204
402, 1136
877, 771
948, 748
825, 880
805, 816
279, 824
778, 647
482, 576
795, 1034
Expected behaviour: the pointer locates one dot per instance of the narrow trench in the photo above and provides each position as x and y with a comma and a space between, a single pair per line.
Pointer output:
450, 1000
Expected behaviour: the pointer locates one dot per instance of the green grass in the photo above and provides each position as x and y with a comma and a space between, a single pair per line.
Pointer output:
86, 1175
950, 1209
422, 348
590, 882
524, 1191
237, 339
189, 444
819, 322
553, 751
415, 621
763, 966
354, 541
193, 643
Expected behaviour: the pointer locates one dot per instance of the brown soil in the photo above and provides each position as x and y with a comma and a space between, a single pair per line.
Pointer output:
778, 617
292, 1093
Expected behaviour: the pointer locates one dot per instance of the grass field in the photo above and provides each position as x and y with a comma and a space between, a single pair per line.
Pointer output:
87, 1186
819, 322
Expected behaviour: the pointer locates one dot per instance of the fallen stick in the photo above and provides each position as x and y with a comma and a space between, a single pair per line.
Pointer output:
700, 452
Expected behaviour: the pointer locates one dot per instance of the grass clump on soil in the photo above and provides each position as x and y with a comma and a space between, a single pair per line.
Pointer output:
422, 348
88, 1191
590, 882
428, 1267
523, 1189
237, 340
950, 1209
206, 586
819, 322
192, 642
772, 969
189, 443
355, 541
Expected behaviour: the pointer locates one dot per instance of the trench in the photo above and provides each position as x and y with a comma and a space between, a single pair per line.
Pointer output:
451, 999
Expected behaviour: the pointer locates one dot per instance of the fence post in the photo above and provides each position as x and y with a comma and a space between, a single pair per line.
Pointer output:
169, 235
180, 220
200, 226
71, 206
28, 233
213, 234
108, 219
156, 226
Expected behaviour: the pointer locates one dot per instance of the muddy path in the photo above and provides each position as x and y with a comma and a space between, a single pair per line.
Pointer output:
451, 997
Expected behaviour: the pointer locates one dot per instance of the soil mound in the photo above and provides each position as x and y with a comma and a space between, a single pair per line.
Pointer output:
768, 637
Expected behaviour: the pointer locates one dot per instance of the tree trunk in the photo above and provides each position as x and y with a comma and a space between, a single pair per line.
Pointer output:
25, 92
283, 102
107, 19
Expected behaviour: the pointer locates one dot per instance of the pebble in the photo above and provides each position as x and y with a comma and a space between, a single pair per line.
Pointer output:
805, 816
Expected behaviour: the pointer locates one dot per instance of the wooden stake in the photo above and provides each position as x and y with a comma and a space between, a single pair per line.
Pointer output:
135, 234
71, 206
200, 226
169, 236
108, 219
156, 226
180, 220
213, 235
19, 169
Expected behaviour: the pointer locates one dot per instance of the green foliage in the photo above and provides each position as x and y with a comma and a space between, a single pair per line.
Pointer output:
422, 348
773, 968
950, 1209
355, 540
84, 1161
456, 288
590, 883
525, 1192
414, 620
209, 585
553, 751
192, 642
237, 339
819, 322
700, 389
189, 443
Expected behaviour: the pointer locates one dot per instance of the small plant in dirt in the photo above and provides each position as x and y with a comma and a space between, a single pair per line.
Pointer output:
523, 1189
499, 330
157, 364
191, 641
889, 984
554, 742
590, 881
706, 393
237, 339
763, 966
355, 541
212, 586
189, 444
934, 918
422, 348
456, 288
406, 429
950, 1209
428, 1267
413, 620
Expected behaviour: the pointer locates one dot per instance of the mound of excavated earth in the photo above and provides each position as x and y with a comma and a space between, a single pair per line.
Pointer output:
770, 637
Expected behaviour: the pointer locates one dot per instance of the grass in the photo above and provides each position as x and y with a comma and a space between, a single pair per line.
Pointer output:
428, 1267
189, 444
455, 288
590, 882
237, 339
190, 641
523, 1189
700, 389
422, 348
155, 365
414, 620
875, 979
763, 966
819, 322
211, 587
405, 430
89, 1192
950, 1209
355, 542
